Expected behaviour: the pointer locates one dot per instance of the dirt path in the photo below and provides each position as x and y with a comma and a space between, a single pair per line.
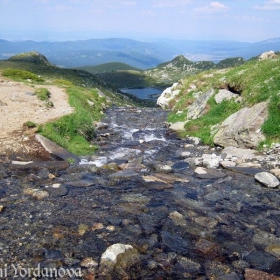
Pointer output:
18, 104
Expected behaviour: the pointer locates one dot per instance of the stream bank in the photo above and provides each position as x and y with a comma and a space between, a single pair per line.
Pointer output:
142, 194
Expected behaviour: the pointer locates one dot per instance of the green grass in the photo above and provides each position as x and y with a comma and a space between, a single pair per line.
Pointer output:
201, 127
19, 75
43, 94
75, 131
256, 81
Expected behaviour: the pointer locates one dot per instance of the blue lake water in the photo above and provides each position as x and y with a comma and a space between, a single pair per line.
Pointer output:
144, 93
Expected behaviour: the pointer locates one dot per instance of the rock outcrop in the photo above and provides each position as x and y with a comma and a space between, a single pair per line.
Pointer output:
267, 55
168, 94
196, 109
242, 129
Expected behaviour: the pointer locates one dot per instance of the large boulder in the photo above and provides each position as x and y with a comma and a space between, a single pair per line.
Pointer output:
168, 94
242, 129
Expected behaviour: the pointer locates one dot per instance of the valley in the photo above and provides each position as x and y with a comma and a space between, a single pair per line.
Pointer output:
135, 190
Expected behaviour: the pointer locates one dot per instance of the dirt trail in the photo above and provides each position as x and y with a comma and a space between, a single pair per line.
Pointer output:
18, 104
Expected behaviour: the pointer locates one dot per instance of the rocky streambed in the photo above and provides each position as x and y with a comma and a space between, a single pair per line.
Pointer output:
148, 205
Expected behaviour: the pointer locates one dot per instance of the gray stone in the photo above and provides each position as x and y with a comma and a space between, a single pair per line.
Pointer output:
267, 179
204, 173
197, 108
126, 174
242, 129
177, 126
55, 149
224, 94
167, 95
57, 165
211, 161
112, 252
230, 152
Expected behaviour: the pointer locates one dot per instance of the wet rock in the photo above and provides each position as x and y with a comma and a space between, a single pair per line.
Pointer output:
36, 193
116, 261
267, 179
253, 274
209, 249
97, 226
211, 161
273, 249
263, 261
80, 183
275, 172
204, 173
246, 170
89, 262
187, 267
112, 252
175, 215
126, 174
160, 167
57, 190
175, 242
180, 166
227, 164
57, 165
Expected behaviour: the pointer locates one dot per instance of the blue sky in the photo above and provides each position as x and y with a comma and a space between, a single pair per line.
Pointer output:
53, 20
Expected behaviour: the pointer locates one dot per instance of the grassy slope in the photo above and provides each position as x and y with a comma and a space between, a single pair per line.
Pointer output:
257, 81
73, 131
108, 67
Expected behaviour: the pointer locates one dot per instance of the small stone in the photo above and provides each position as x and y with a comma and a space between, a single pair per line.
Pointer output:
89, 262
39, 194
175, 215
111, 228
267, 179
204, 173
253, 274
208, 249
211, 161
82, 229
113, 251
97, 226
275, 172
273, 249
227, 163
1, 208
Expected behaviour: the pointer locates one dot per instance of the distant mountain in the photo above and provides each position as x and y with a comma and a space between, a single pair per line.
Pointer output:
180, 67
138, 54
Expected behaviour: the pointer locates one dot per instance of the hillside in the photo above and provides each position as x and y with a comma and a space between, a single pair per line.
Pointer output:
161, 76
211, 104
33, 98
108, 67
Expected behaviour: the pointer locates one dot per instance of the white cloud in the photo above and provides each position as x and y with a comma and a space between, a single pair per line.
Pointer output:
269, 5
214, 7
170, 3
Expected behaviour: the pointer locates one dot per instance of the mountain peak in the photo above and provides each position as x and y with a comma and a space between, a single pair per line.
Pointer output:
33, 57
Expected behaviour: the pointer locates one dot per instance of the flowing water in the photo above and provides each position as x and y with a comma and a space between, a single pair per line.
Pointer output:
139, 190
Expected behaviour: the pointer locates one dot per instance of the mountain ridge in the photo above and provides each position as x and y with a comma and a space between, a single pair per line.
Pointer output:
138, 54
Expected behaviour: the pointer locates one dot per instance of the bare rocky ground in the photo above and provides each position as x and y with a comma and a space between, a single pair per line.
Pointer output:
19, 104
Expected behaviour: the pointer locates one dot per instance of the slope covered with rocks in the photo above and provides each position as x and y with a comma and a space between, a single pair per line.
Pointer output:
236, 106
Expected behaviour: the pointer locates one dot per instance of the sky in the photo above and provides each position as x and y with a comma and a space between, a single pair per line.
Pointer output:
146, 20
